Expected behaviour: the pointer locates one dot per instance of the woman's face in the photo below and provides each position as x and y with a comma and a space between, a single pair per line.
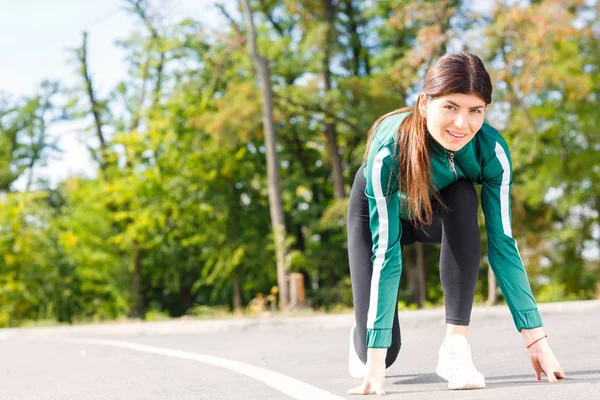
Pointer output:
453, 120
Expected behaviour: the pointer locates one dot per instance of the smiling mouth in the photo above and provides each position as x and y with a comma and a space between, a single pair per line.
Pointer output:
457, 135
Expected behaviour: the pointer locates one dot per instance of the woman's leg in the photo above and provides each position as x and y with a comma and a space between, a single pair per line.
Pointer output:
459, 267
460, 254
456, 228
360, 250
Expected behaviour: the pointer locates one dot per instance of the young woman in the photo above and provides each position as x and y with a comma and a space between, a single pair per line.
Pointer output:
417, 185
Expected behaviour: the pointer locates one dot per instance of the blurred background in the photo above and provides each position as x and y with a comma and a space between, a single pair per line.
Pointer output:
133, 142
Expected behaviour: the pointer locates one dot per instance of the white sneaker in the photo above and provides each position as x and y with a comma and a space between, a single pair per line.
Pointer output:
456, 366
355, 365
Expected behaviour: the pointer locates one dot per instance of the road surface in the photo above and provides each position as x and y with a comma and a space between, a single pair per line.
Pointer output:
280, 358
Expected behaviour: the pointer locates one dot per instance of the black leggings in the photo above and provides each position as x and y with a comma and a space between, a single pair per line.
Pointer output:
455, 228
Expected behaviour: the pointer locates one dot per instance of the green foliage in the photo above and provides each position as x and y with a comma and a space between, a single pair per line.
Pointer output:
179, 222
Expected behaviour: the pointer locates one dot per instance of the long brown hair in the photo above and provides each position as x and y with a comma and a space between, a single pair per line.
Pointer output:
453, 73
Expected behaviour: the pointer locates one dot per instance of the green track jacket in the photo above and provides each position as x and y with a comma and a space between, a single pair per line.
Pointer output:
485, 160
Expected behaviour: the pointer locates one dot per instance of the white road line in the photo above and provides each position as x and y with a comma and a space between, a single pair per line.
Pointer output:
290, 386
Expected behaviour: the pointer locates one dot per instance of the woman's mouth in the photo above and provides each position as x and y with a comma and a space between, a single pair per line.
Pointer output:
457, 134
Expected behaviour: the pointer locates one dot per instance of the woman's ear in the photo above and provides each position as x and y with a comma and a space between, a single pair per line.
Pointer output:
423, 105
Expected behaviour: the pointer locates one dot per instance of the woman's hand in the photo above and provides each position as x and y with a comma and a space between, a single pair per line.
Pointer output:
541, 356
374, 374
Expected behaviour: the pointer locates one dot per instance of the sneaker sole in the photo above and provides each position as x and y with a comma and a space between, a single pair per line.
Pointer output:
466, 386
453, 386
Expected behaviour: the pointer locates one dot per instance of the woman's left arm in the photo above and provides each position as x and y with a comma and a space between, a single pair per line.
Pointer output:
503, 252
507, 265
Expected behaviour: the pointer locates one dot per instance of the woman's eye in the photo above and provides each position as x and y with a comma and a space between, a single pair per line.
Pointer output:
450, 107
476, 111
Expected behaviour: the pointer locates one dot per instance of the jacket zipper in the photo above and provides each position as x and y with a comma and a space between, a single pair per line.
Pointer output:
452, 167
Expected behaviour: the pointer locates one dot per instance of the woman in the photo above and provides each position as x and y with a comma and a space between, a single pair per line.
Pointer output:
417, 185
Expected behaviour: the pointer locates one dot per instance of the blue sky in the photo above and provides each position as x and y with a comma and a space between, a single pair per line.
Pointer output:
37, 42
38, 36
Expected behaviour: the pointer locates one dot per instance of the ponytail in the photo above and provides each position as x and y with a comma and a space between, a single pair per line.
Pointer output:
414, 175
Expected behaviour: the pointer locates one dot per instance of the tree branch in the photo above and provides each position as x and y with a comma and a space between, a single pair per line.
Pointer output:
229, 18
265, 10
93, 101
319, 109
157, 41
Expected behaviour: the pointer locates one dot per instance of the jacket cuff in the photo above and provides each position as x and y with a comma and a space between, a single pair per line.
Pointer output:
379, 338
527, 319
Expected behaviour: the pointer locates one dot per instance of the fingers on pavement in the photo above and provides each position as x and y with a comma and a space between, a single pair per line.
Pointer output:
366, 389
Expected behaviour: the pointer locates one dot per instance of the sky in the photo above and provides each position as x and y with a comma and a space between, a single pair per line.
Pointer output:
37, 42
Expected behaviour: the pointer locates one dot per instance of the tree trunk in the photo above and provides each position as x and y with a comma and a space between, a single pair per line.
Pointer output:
138, 307
492, 288
415, 269
137, 113
275, 202
335, 161
359, 53
421, 290
330, 133
187, 300
237, 291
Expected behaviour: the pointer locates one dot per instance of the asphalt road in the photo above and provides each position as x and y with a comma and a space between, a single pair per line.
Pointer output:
286, 358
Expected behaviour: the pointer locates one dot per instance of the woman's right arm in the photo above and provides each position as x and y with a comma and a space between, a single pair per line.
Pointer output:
386, 231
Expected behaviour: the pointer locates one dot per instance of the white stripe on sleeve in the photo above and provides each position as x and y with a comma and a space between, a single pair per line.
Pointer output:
504, 189
382, 244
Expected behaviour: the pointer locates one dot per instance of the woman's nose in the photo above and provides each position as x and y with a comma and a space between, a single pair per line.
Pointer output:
459, 121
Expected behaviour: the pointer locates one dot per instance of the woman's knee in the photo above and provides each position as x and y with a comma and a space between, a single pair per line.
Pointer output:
461, 193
